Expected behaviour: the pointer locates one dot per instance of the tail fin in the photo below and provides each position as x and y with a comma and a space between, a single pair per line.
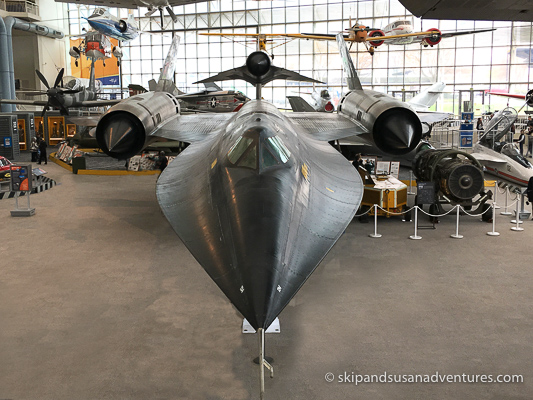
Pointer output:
166, 78
212, 87
428, 97
349, 70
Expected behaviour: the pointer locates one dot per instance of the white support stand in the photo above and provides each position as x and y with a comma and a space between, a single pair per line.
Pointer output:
375, 234
415, 236
493, 233
517, 228
495, 195
273, 328
456, 234
505, 212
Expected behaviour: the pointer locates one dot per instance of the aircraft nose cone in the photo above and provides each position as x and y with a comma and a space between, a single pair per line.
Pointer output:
397, 131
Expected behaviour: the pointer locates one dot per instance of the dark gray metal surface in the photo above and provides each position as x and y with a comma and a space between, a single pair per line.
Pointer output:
490, 10
259, 232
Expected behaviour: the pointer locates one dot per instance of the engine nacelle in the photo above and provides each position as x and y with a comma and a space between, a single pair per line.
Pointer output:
376, 33
74, 52
456, 174
117, 52
125, 128
392, 124
435, 39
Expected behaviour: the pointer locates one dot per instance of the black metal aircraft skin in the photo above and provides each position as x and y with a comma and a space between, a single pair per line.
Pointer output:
259, 226
259, 197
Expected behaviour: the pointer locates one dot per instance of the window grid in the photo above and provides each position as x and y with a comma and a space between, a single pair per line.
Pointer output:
492, 60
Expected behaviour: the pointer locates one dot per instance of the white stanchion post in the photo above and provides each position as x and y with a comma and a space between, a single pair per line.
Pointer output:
495, 195
375, 234
415, 236
493, 233
517, 219
505, 212
456, 234
410, 185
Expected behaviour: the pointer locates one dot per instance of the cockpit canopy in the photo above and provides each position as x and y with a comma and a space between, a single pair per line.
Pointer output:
256, 151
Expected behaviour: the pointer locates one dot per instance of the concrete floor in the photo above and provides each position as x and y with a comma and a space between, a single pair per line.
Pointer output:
99, 299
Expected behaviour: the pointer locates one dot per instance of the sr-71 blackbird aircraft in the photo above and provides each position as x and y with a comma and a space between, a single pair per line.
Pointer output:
258, 197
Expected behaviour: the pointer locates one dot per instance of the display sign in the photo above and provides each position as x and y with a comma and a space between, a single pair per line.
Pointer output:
21, 178
7, 142
466, 135
467, 116
425, 193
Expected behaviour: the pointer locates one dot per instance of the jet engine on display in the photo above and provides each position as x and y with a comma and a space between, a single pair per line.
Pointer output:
458, 178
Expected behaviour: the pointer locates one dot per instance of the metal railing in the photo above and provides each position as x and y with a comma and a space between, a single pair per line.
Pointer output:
23, 6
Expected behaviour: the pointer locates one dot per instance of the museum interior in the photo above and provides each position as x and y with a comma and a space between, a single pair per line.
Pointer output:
299, 199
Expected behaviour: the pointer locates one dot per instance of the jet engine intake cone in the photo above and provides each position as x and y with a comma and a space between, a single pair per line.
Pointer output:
120, 135
397, 131
465, 181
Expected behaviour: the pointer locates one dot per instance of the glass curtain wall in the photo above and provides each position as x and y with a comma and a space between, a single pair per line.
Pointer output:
501, 59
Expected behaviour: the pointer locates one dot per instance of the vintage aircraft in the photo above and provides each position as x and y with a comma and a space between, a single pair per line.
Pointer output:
212, 99
249, 194
97, 46
63, 99
396, 33
320, 102
152, 5
103, 21
498, 157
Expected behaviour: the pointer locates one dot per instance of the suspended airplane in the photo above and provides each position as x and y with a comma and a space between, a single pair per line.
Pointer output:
152, 5
103, 21
396, 33
249, 194
97, 46
500, 158
63, 99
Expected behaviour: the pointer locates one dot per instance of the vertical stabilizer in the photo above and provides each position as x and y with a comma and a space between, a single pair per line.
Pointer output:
349, 70
425, 99
166, 78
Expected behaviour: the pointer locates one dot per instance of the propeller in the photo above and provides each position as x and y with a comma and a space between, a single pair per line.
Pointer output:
55, 93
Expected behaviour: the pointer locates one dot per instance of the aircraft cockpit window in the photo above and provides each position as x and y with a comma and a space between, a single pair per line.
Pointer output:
324, 94
268, 159
279, 148
244, 152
